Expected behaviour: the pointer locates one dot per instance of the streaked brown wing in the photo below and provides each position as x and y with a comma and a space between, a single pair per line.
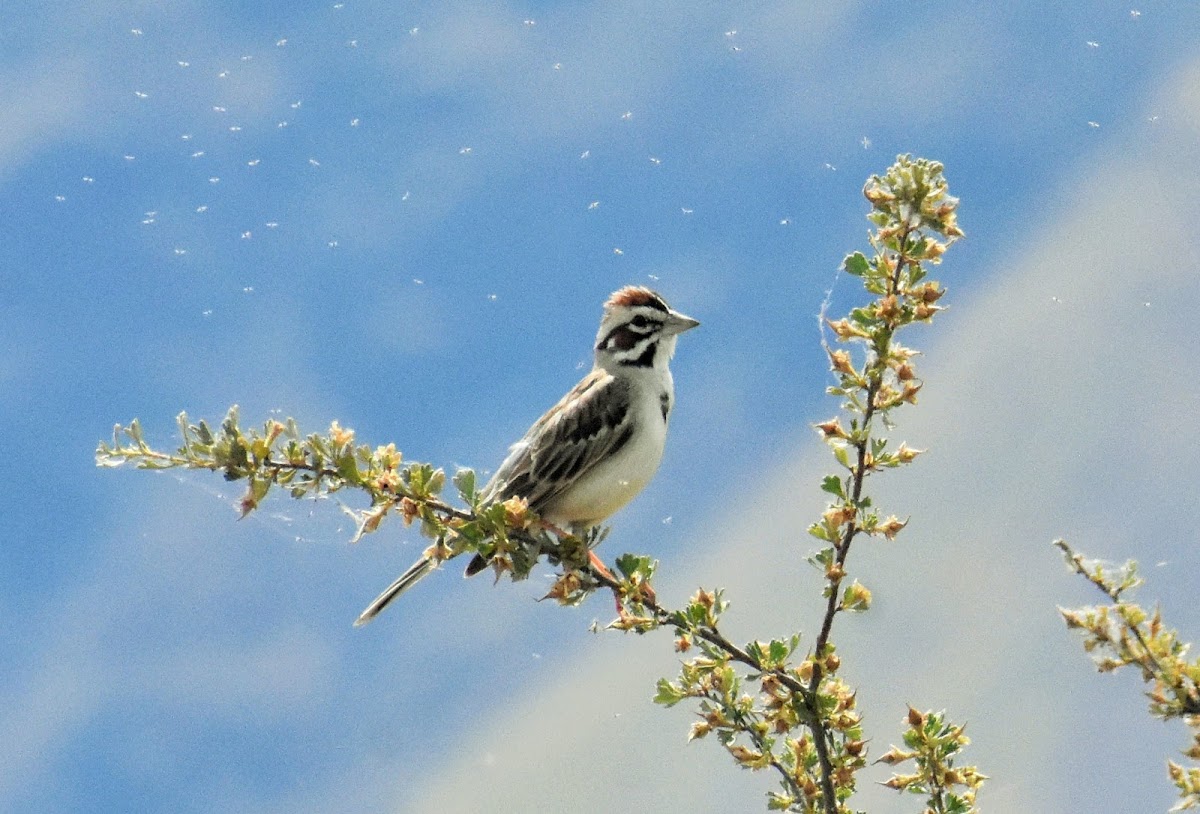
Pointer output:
566, 442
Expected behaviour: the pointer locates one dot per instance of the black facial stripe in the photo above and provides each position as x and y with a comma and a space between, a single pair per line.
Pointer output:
645, 359
627, 331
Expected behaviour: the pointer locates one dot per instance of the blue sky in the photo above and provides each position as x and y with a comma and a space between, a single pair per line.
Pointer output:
406, 216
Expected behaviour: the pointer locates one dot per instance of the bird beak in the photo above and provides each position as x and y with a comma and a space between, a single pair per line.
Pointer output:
677, 323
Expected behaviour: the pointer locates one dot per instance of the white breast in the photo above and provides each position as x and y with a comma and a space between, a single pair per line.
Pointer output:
613, 483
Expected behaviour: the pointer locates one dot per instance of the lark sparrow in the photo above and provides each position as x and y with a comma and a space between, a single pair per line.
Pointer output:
594, 450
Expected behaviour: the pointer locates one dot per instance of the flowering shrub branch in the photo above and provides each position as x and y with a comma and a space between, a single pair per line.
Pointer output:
1123, 635
769, 704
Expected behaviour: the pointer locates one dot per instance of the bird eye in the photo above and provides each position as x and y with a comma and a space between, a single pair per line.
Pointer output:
639, 321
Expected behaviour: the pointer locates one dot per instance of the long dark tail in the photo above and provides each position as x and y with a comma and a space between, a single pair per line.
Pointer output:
405, 581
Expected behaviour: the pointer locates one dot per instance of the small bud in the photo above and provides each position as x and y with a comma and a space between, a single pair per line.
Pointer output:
843, 776
839, 362
340, 436
915, 719
930, 293
516, 510
901, 782
389, 457
893, 756
923, 311
831, 429
568, 586
839, 515
704, 599
857, 597
889, 307
744, 756
877, 195
885, 397
906, 454
855, 748
387, 481
409, 510
683, 643
844, 329
948, 219
832, 663
891, 527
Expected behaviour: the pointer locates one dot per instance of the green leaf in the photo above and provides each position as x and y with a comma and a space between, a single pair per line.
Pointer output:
347, 468
437, 481
668, 694
821, 560
464, 481
229, 426
863, 318
317, 444
779, 802
833, 485
630, 564
755, 651
778, 651
856, 264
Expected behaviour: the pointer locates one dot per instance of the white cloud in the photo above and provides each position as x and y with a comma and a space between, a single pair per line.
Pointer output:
34, 109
